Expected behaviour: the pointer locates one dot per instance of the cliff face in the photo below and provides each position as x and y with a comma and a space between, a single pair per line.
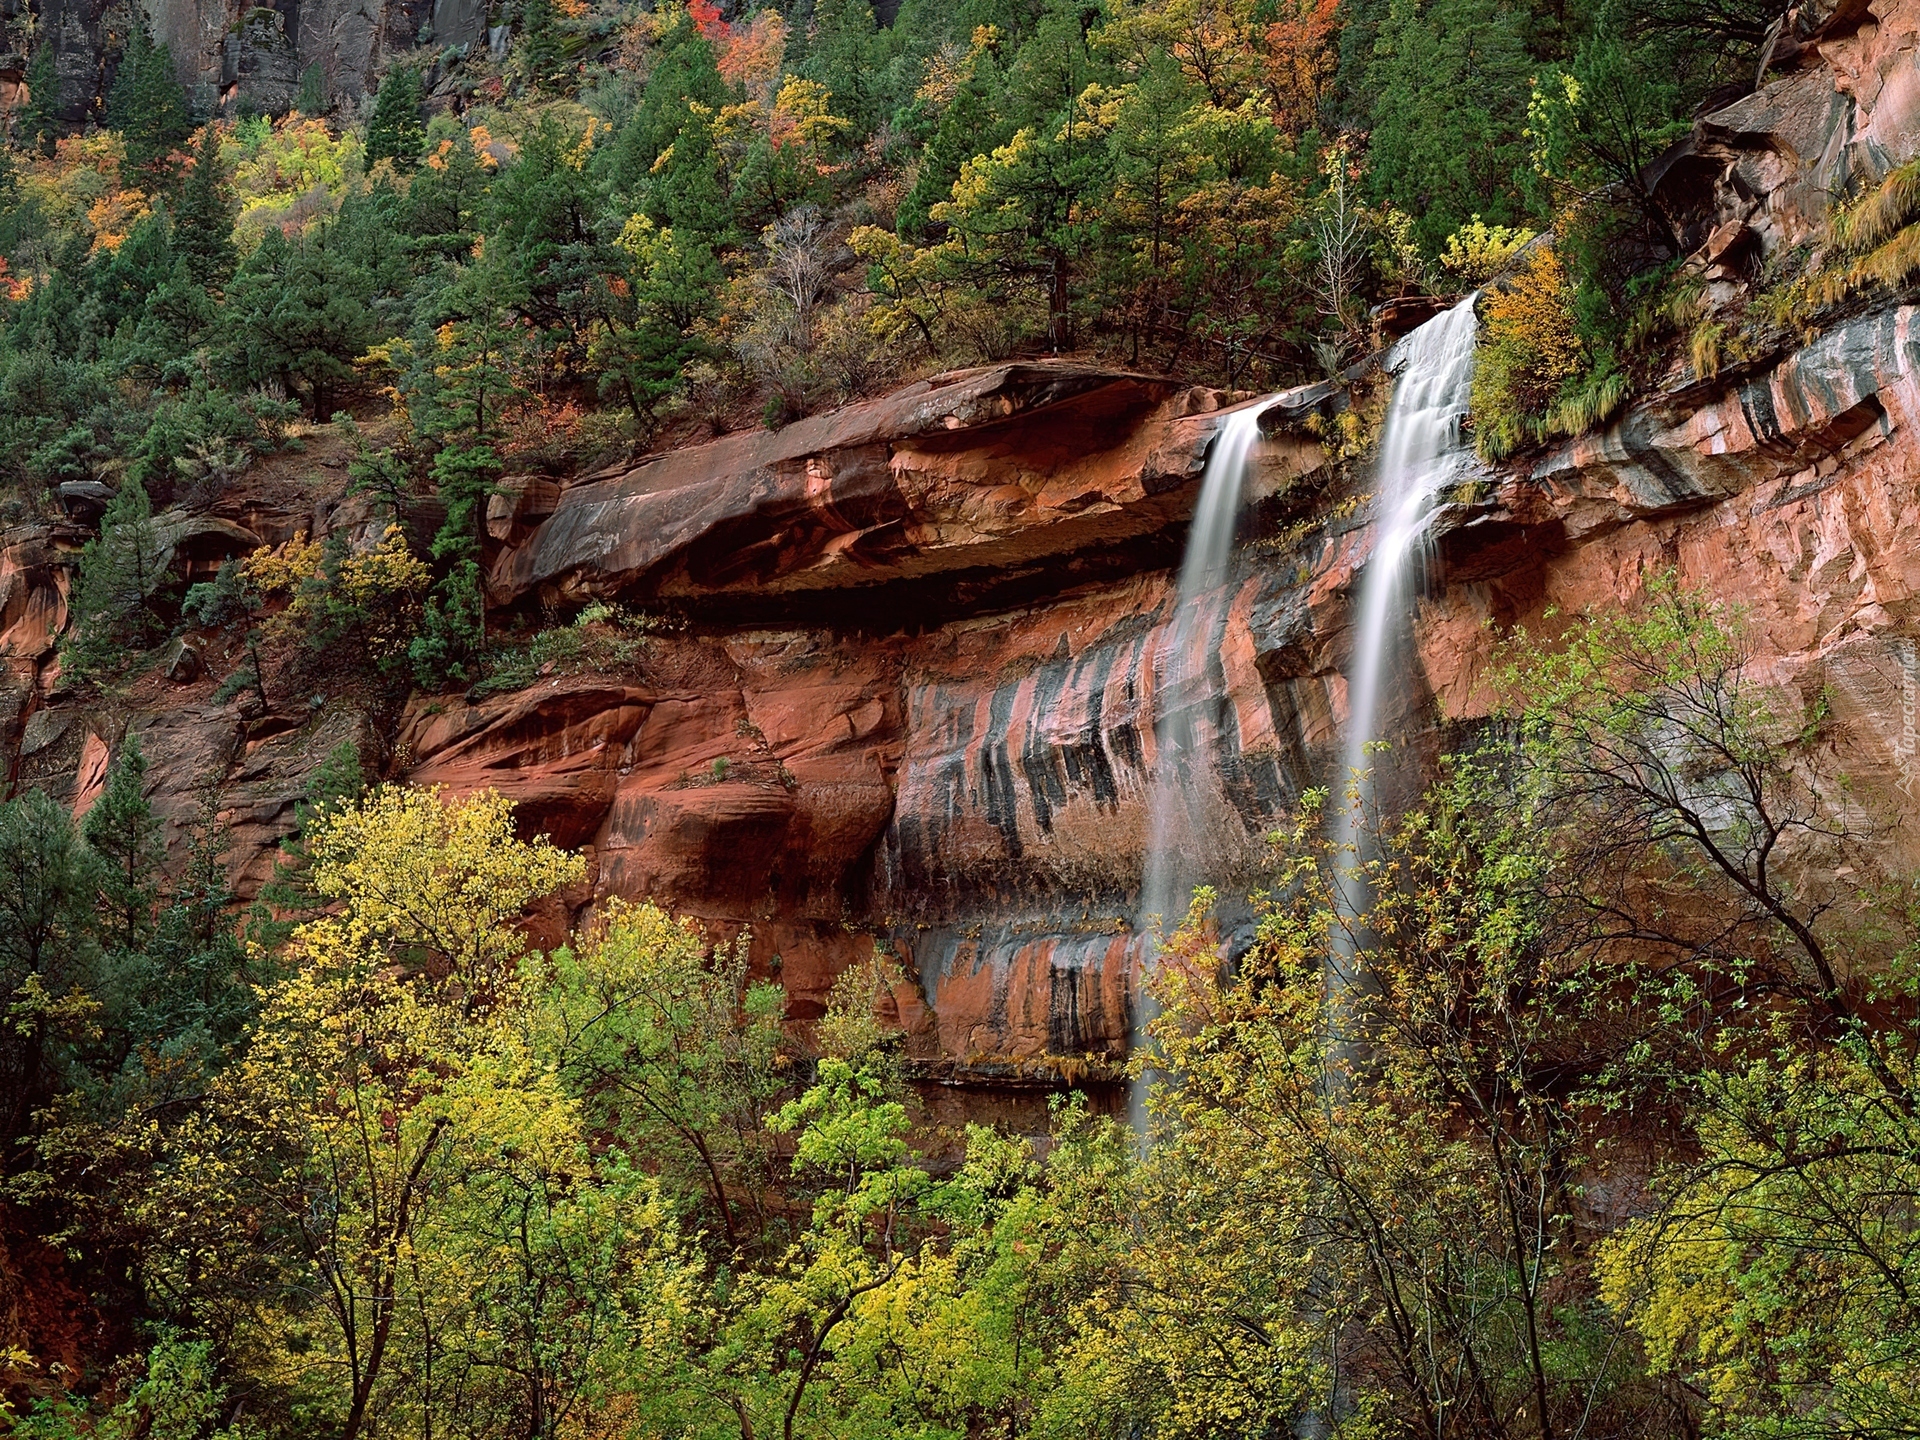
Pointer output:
230, 51
922, 658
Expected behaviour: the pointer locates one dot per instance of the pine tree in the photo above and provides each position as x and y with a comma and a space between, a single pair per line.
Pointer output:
687, 193
1449, 81
458, 396
394, 132
974, 124
339, 780
841, 55
203, 223
124, 278
302, 313
118, 571
685, 72
193, 995
146, 104
121, 830
542, 47
39, 124
45, 952
312, 99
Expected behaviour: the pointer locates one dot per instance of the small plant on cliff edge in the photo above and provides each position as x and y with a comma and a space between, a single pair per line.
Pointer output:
1530, 350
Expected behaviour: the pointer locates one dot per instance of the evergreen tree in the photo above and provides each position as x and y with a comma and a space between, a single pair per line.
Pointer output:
123, 278
146, 103
652, 336
1449, 81
44, 954
458, 391
445, 204
1028, 219
545, 208
688, 191
108, 614
203, 224
339, 780
193, 991
685, 76
39, 122
1600, 122
394, 132
302, 310
542, 46
975, 123
312, 99
841, 54
120, 829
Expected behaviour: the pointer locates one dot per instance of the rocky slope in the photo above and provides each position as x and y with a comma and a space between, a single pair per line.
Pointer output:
913, 693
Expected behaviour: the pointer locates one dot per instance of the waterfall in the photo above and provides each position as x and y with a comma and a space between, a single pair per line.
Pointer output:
1186, 705
1420, 451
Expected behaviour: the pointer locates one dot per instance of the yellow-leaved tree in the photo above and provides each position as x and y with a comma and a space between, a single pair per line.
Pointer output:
390, 1202
426, 879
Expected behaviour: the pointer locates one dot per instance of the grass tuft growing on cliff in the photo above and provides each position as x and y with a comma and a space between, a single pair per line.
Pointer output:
1875, 244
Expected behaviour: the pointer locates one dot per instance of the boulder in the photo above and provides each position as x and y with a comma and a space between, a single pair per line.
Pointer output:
182, 661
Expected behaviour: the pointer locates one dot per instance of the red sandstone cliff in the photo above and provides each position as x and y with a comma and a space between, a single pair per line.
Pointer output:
927, 633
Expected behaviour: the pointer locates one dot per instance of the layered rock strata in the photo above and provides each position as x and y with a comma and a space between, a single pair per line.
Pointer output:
915, 697
912, 656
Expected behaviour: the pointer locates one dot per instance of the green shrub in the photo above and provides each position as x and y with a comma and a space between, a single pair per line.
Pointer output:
1477, 251
602, 637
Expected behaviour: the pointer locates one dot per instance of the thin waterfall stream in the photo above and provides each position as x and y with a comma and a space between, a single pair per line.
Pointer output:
1185, 736
1421, 450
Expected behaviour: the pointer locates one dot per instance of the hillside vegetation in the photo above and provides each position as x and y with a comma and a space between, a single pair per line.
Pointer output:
1620, 1136
645, 225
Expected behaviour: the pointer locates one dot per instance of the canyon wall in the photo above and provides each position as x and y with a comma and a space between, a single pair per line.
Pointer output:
235, 52
913, 658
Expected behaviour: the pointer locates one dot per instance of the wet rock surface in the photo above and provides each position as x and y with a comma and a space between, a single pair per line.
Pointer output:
965, 784
914, 690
